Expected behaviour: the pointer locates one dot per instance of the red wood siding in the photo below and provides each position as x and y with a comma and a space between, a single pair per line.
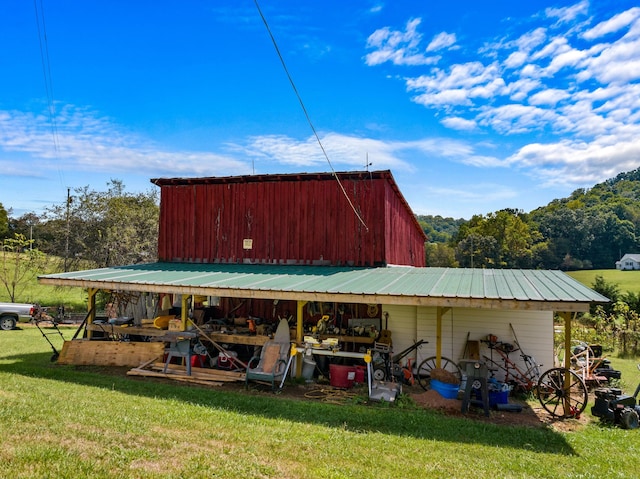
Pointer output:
302, 219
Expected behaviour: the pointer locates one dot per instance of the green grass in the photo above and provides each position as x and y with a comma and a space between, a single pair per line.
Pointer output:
67, 422
628, 281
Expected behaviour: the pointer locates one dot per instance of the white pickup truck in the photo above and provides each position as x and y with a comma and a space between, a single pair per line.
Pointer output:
13, 313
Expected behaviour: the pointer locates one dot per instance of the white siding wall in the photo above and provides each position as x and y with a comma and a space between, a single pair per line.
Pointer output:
402, 323
534, 330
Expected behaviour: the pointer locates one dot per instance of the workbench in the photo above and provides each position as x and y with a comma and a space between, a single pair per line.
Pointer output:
166, 335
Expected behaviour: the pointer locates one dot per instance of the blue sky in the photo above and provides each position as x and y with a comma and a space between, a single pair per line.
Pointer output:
473, 106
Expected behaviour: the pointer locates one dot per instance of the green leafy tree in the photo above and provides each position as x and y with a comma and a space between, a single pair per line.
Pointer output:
477, 251
608, 290
20, 264
439, 229
440, 254
105, 228
511, 244
4, 222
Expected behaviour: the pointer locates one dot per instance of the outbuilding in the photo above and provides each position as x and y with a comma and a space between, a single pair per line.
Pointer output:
343, 245
629, 262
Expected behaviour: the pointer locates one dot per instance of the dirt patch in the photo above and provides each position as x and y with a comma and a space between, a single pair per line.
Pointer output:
531, 415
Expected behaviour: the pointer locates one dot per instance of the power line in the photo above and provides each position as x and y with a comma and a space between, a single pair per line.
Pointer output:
306, 114
46, 68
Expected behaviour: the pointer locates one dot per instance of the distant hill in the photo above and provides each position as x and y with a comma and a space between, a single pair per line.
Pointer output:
439, 229
592, 228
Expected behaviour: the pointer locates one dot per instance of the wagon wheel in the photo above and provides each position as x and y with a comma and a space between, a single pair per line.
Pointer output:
560, 399
423, 372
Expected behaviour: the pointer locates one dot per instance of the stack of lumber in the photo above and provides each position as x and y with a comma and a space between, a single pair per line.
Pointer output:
203, 376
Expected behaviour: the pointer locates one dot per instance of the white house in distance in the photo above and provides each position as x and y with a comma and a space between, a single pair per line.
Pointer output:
629, 262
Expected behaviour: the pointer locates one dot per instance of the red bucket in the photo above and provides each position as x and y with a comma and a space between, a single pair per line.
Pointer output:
341, 376
359, 379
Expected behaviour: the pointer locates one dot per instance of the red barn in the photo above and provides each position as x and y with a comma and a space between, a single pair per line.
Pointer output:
307, 218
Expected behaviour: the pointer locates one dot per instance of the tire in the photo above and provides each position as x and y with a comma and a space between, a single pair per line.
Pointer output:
423, 373
7, 323
629, 419
560, 399
379, 374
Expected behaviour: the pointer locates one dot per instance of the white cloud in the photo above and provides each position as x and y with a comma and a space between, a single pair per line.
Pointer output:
614, 24
457, 86
516, 59
530, 40
397, 47
515, 118
344, 151
617, 63
457, 123
582, 93
568, 14
86, 142
441, 40
555, 47
520, 89
549, 97
574, 162
445, 98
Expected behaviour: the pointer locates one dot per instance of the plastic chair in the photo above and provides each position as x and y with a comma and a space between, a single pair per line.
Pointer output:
271, 365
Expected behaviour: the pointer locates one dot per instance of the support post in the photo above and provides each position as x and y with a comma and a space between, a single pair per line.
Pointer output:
567, 357
91, 305
184, 313
299, 334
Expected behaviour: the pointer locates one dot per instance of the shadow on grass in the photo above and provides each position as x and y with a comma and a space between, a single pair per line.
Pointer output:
359, 418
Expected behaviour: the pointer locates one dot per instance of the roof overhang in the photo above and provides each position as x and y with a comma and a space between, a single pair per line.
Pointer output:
400, 285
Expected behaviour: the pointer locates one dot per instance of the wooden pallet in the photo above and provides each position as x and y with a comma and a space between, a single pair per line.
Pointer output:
204, 376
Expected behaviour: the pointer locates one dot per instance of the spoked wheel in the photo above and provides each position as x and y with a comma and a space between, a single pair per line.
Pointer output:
423, 372
562, 393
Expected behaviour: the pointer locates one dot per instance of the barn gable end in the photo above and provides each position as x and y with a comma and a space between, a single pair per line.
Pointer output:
289, 219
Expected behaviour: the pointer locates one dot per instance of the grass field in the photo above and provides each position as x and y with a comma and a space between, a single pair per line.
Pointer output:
628, 281
77, 422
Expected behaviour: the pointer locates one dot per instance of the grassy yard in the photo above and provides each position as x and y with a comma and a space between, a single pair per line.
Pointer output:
626, 280
68, 422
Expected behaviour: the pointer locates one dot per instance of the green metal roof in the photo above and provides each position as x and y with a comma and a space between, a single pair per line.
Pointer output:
446, 287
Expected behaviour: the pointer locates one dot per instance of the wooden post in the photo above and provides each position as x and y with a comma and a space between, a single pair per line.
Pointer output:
91, 305
299, 334
184, 313
567, 356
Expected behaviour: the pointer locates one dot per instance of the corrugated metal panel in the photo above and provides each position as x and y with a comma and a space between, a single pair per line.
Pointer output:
301, 219
413, 284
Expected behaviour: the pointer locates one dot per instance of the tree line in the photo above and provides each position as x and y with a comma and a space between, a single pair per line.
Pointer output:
90, 228
591, 229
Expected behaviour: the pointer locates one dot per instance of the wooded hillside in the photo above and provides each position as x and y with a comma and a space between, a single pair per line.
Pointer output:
592, 228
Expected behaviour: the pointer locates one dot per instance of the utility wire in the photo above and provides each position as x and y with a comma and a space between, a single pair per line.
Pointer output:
46, 69
306, 114
48, 79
